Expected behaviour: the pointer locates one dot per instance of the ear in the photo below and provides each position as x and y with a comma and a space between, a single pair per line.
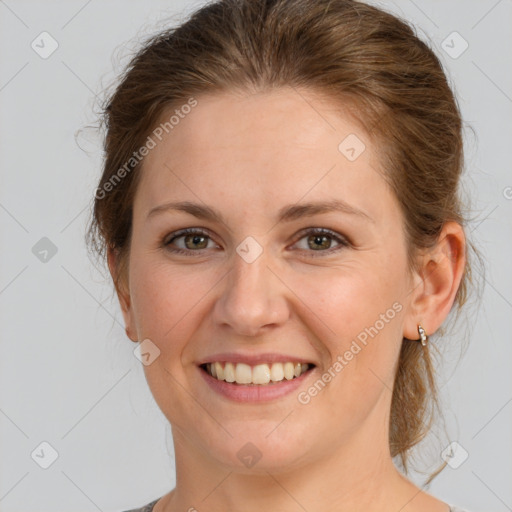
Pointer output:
436, 281
123, 294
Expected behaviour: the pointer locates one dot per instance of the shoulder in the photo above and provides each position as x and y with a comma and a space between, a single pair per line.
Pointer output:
148, 507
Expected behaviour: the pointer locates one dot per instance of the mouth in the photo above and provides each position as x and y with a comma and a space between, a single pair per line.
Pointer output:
260, 375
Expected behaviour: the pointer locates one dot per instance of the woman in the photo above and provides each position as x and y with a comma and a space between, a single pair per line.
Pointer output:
280, 216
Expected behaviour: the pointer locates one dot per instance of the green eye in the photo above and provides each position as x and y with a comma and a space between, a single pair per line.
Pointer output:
313, 240
190, 240
317, 242
195, 241
320, 240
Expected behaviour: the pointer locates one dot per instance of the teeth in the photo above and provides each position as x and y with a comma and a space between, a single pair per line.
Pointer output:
288, 371
219, 371
261, 374
277, 372
229, 372
241, 373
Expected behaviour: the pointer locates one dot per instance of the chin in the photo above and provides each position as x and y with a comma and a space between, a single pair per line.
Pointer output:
259, 449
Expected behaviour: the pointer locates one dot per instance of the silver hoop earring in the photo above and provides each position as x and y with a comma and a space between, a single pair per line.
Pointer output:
423, 335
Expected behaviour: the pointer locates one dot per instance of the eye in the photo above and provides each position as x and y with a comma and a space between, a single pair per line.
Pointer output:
194, 240
320, 240
188, 240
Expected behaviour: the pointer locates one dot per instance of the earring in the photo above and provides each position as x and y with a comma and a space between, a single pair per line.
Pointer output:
423, 335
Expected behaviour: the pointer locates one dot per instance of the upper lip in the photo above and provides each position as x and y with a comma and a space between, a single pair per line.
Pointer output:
253, 359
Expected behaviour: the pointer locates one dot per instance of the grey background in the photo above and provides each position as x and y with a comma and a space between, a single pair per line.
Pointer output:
67, 371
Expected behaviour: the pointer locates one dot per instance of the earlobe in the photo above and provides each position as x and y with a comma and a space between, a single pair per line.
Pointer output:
440, 272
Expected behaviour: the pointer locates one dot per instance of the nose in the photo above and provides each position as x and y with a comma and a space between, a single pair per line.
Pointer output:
253, 298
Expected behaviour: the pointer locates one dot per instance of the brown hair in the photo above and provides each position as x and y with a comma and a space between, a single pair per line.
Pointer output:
349, 52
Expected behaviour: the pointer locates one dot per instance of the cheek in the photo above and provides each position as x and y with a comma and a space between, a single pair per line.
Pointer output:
168, 303
362, 310
165, 299
351, 299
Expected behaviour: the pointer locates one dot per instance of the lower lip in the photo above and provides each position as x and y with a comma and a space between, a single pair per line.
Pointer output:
254, 393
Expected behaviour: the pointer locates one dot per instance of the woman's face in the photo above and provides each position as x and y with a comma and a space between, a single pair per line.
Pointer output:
257, 280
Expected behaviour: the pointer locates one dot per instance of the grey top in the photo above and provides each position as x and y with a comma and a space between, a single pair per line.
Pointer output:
149, 508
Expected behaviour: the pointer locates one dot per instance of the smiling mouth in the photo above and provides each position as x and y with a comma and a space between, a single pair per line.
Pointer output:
257, 375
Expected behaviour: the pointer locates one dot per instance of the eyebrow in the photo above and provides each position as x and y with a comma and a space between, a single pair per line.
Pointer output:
286, 214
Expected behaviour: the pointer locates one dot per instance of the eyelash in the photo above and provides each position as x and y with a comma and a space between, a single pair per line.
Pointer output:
343, 243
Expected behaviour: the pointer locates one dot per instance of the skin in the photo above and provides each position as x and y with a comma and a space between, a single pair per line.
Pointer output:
247, 156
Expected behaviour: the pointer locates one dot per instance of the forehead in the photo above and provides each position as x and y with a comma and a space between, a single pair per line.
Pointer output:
285, 117
270, 146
